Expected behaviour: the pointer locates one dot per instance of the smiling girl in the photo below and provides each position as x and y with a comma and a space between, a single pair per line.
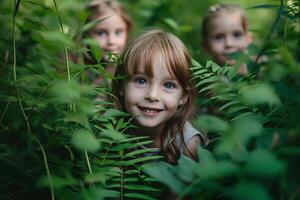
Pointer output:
111, 33
225, 31
158, 92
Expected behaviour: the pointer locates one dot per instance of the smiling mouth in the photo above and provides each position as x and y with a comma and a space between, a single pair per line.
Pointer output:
150, 111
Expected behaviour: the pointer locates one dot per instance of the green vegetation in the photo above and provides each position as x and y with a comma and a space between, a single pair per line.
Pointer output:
58, 141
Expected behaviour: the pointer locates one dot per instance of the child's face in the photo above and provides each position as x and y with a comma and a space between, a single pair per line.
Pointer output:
111, 33
153, 100
226, 35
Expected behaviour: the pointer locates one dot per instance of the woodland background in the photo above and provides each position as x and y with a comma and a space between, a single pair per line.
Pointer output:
56, 143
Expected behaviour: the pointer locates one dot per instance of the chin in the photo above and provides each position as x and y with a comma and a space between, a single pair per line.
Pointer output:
147, 124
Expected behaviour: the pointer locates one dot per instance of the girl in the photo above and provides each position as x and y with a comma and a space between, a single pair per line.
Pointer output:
112, 32
225, 31
158, 92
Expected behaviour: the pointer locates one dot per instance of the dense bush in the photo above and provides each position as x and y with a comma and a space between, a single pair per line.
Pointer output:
56, 143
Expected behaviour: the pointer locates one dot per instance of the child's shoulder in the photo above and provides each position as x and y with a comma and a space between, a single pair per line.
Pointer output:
189, 132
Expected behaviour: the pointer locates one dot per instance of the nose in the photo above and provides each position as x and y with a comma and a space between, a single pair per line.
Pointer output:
111, 38
228, 41
152, 94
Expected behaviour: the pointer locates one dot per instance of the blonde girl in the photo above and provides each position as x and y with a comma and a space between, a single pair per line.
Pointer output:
225, 31
159, 93
111, 33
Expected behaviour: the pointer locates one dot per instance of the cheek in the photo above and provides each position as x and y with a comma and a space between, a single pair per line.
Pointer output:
122, 40
101, 40
243, 43
216, 46
172, 102
131, 94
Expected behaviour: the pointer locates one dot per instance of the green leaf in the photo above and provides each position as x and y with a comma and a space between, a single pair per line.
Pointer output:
246, 128
138, 196
249, 191
132, 171
215, 170
210, 123
99, 194
259, 94
161, 171
90, 25
64, 92
114, 113
123, 146
94, 48
57, 182
113, 134
141, 151
229, 104
142, 159
183, 168
209, 168
98, 177
263, 163
56, 39
77, 117
85, 141
141, 187
207, 79
172, 24
213, 66
204, 155
196, 65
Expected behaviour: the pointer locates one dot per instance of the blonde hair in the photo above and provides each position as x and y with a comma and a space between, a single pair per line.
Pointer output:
216, 10
141, 53
100, 7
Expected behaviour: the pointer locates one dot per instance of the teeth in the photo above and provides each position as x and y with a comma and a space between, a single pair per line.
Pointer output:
150, 110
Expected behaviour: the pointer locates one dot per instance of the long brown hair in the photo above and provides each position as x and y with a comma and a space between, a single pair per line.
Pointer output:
140, 53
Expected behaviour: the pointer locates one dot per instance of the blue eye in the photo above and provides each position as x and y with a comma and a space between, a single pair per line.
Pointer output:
170, 85
219, 36
237, 34
101, 32
140, 81
119, 31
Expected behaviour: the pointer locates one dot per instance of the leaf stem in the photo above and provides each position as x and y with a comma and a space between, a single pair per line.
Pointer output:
65, 48
15, 11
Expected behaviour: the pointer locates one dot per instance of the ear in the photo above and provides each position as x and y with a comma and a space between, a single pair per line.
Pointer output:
183, 99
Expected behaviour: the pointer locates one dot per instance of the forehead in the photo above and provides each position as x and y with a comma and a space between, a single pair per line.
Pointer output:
111, 19
157, 66
225, 21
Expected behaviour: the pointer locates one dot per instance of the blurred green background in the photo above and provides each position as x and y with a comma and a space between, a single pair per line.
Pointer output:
184, 18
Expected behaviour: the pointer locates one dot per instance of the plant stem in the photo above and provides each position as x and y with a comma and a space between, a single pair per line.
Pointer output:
88, 164
65, 49
5, 110
15, 10
268, 38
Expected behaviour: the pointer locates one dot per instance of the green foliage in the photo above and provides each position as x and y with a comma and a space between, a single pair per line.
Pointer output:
60, 140
253, 121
